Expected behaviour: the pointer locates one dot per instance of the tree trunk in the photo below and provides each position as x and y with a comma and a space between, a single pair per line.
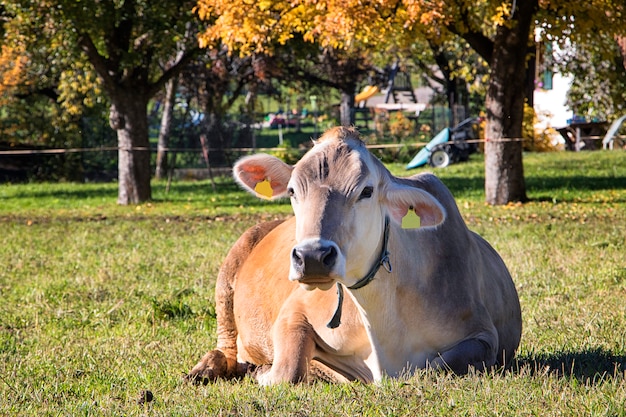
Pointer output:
212, 128
504, 170
164, 130
346, 108
449, 82
129, 118
243, 135
621, 41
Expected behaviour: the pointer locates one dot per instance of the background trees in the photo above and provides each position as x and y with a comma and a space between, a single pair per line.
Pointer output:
598, 69
500, 32
66, 58
133, 46
326, 67
47, 97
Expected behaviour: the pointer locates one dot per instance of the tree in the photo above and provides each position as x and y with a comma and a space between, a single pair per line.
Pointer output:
44, 102
598, 89
126, 43
277, 29
125, 46
505, 42
504, 170
216, 81
311, 65
169, 101
499, 31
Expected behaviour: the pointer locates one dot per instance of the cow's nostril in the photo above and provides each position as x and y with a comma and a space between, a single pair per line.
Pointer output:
296, 258
329, 257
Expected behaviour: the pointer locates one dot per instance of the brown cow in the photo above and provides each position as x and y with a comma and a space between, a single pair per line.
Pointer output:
420, 295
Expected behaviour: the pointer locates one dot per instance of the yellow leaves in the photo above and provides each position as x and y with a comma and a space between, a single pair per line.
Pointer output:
251, 26
245, 27
265, 5
78, 87
425, 13
503, 13
400, 126
203, 9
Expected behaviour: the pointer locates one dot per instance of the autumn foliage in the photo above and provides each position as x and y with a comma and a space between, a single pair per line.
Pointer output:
255, 26
12, 64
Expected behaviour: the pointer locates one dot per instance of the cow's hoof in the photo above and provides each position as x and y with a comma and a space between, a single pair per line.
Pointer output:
262, 375
211, 367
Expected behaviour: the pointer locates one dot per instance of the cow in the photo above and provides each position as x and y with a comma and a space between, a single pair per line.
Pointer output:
423, 291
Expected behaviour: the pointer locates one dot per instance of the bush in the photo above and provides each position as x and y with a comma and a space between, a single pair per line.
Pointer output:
287, 153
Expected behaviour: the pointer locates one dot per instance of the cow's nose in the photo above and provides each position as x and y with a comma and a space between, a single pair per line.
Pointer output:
314, 261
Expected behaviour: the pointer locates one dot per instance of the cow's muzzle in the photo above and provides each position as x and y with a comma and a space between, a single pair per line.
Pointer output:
314, 263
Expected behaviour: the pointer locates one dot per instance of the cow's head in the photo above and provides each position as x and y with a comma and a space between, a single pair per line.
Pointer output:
341, 196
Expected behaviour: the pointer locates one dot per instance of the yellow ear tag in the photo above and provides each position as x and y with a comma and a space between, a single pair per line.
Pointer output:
411, 220
264, 189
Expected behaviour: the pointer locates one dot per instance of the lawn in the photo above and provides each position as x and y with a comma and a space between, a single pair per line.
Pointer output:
101, 303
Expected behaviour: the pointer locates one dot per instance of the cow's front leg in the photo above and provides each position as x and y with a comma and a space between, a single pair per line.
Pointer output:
474, 353
213, 365
294, 344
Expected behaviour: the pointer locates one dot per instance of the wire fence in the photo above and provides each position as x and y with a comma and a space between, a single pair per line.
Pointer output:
197, 158
58, 151
245, 150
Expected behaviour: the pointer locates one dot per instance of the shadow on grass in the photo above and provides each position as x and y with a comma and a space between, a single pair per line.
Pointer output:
588, 366
543, 188
226, 195
75, 191
580, 183
461, 185
67, 191
182, 189
539, 187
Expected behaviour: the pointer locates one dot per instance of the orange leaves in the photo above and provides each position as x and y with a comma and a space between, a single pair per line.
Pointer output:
423, 12
243, 25
13, 61
341, 24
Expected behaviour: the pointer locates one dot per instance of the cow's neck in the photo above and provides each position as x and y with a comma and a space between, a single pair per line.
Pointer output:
373, 303
385, 321
383, 260
376, 299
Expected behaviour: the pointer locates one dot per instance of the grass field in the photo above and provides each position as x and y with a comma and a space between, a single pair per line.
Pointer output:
100, 303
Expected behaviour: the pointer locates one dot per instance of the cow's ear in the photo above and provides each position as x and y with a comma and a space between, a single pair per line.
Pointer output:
263, 175
401, 198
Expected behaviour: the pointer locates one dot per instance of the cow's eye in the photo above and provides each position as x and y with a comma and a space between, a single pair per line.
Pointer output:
291, 192
366, 193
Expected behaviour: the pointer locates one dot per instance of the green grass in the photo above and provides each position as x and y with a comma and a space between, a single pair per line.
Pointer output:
100, 302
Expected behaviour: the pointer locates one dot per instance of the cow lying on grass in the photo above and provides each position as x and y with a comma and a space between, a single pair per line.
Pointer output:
423, 291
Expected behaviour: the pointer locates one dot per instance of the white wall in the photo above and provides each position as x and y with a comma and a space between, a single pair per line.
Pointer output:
550, 104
